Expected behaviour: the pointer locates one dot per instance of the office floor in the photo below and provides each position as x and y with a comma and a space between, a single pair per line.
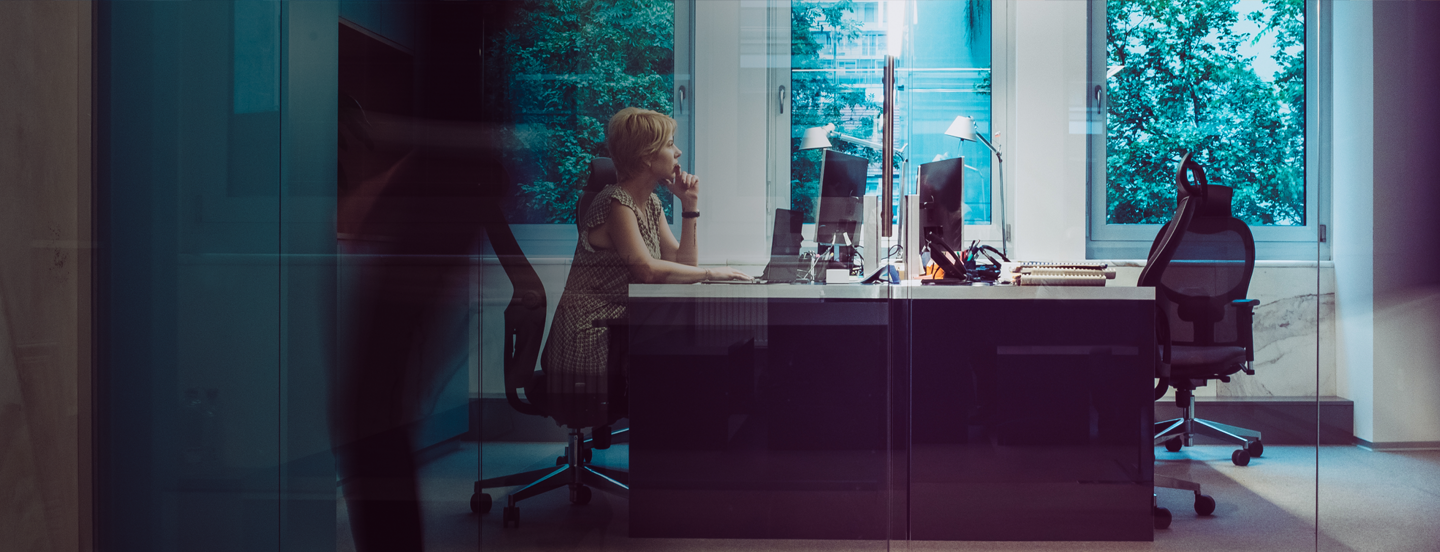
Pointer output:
1366, 501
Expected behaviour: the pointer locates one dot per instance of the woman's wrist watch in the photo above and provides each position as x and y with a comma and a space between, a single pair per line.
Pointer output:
690, 214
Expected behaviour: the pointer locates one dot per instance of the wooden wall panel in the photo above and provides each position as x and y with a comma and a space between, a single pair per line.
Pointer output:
45, 246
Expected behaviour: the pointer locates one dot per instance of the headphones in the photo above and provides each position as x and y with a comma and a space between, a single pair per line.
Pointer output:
964, 267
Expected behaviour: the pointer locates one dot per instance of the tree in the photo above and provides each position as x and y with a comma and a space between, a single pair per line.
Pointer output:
564, 68
1186, 88
817, 99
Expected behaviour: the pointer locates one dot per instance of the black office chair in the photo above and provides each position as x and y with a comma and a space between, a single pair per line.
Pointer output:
1200, 266
578, 402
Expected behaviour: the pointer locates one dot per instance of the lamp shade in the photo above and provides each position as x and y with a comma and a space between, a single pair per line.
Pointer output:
963, 128
815, 138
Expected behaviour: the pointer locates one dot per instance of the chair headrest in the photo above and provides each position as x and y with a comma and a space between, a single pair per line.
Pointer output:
602, 174
1184, 186
1216, 202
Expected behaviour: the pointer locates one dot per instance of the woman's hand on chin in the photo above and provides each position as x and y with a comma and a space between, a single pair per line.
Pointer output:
685, 186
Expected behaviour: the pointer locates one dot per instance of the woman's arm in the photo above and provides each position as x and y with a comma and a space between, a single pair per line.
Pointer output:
623, 229
686, 251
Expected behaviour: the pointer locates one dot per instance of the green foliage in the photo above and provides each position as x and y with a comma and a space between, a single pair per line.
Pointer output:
817, 98
566, 67
1186, 88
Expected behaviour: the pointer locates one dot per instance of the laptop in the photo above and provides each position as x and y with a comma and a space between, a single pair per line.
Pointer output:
785, 266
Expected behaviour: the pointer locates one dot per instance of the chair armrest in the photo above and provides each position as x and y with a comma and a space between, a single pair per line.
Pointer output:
1244, 322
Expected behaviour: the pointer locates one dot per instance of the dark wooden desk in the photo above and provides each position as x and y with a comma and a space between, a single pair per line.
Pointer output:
874, 412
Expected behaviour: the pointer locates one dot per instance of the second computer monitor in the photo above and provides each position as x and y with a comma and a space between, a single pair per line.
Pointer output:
842, 192
942, 201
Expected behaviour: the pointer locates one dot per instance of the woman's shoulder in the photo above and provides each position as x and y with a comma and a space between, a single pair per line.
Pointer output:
600, 206
614, 192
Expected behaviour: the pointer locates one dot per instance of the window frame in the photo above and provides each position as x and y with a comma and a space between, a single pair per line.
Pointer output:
991, 233
1296, 243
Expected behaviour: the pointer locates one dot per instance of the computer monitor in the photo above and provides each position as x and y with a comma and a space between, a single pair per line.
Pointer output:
842, 192
942, 201
784, 264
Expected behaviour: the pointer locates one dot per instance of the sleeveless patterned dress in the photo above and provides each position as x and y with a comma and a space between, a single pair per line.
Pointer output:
597, 289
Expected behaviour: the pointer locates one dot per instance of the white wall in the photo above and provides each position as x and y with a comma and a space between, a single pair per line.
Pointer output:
1352, 237
731, 47
1046, 161
1388, 319
1406, 230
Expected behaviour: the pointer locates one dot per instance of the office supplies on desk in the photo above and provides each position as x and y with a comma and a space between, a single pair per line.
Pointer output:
947, 260
1068, 273
1089, 265
1060, 277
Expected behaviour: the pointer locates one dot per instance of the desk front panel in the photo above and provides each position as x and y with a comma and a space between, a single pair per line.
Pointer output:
961, 414
1031, 419
759, 418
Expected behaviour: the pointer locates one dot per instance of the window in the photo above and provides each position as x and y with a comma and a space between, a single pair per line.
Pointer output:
942, 72
1224, 80
561, 100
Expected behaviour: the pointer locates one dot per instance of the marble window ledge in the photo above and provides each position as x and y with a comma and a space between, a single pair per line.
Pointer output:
1138, 263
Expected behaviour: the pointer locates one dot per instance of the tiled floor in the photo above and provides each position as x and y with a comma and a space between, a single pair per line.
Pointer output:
1365, 501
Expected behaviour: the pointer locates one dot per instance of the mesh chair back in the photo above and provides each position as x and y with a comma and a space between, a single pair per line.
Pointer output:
1211, 267
602, 174
1200, 261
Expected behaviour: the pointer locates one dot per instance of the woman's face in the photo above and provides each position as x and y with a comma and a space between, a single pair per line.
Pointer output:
663, 163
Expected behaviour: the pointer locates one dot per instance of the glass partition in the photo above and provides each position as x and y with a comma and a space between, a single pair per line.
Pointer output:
216, 275
377, 274
1383, 322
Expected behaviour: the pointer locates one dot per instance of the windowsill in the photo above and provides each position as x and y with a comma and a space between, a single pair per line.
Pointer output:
1140, 263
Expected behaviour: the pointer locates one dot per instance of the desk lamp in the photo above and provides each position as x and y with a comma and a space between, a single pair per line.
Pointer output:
964, 129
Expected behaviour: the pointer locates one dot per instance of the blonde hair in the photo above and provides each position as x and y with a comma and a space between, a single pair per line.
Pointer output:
634, 134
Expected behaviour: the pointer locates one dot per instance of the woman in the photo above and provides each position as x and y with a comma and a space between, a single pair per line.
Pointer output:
624, 240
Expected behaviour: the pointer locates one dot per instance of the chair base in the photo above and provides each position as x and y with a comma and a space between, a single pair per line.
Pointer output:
1180, 432
1204, 505
576, 472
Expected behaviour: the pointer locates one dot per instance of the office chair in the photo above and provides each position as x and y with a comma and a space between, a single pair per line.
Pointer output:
578, 402
1200, 266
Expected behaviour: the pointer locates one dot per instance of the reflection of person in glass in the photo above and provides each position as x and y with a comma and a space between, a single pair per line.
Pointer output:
416, 199
623, 240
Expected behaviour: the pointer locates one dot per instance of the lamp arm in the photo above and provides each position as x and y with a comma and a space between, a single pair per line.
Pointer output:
854, 140
992, 147
899, 152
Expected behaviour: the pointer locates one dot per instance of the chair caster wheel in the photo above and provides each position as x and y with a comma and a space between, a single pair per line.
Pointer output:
1240, 457
480, 503
600, 437
1162, 518
580, 495
561, 460
1204, 505
1173, 445
1255, 449
586, 456
511, 517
